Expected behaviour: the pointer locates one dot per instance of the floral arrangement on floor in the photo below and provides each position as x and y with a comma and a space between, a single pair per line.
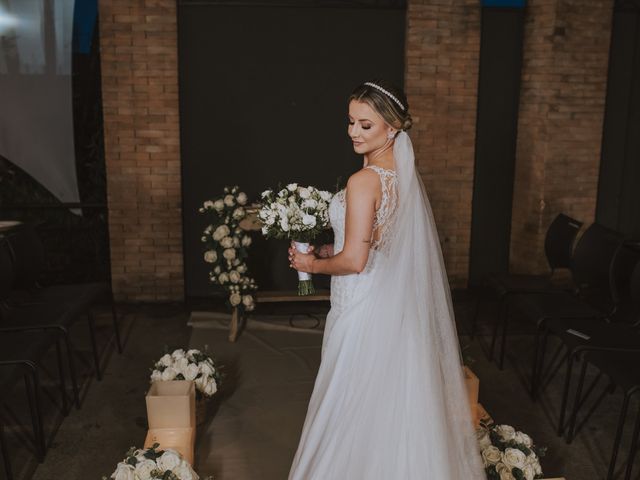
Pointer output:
151, 464
189, 365
299, 214
226, 247
509, 454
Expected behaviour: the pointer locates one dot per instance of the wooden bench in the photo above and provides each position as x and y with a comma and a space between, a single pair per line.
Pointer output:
276, 296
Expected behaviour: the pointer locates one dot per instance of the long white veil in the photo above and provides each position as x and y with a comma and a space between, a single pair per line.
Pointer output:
406, 354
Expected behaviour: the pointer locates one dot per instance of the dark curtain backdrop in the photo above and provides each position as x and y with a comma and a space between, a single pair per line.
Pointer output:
263, 93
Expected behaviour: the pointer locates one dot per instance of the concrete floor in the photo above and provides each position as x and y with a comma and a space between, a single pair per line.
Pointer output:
254, 431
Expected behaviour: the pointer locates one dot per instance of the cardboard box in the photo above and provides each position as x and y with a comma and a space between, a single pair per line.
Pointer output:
171, 404
473, 385
180, 439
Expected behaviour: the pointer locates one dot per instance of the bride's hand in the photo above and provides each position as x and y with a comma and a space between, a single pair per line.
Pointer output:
301, 261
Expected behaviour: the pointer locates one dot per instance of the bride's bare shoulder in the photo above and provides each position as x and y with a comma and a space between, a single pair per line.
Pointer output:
364, 178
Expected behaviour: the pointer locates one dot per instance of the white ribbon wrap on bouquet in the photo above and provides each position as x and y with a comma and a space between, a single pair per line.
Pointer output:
303, 247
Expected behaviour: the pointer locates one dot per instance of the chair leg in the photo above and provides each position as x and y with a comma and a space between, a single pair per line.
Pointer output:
542, 335
116, 327
565, 393
634, 448
576, 401
94, 346
63, 383
36, 413
505, 326
72, 369
5, 455
496, 327
618, 437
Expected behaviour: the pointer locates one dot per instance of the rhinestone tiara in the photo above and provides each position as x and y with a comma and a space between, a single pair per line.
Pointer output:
387, 93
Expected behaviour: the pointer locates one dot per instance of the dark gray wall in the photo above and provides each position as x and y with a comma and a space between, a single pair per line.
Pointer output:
263, 99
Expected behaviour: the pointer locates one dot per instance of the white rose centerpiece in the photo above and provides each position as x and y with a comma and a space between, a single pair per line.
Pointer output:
152, 463
192, 365
226, 248
296, 213
509, 454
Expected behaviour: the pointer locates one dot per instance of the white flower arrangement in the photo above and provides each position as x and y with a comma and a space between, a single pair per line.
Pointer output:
226, 248
509, 454
151, 464
189, 365
296, 213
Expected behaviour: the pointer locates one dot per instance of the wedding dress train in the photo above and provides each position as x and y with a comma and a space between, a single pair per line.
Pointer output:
389, 400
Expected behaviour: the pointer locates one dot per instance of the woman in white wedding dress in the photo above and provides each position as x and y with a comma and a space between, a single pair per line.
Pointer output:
389, 401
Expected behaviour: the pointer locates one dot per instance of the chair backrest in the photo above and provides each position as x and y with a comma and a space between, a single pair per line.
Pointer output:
558, 242
28, 256
7, 275
592, 260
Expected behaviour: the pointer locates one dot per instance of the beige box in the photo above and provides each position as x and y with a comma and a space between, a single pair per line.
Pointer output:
473, 385
181, 440
171, 404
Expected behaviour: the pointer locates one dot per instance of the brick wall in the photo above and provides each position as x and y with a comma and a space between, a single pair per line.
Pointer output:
441, 77
138, 45
565, 61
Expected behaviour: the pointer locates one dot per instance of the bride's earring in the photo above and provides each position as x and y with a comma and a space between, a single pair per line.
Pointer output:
390, 135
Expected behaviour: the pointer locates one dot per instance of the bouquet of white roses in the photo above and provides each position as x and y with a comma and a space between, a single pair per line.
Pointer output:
151, 463
509, 454
299, 214
226, 247
189, 365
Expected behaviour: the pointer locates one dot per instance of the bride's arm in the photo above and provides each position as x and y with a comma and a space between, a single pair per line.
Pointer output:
360, 212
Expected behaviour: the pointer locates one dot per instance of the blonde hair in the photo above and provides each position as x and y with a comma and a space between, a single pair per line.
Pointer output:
382, 103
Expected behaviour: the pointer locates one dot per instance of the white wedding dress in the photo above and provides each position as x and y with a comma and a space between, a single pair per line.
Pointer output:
382, 407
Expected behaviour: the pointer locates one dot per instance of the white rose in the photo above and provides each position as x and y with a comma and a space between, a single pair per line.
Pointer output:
246, 240
242, 268
169, 460
529, 472
168, 374
166, 360
178, 354
221, 232
191, 372
210, 256
242, 198
191, 352
236, 242
226, 242
484, 440
326, 196
304, 193
185, 472
145, 467
238, 213
208, 204
181, 365
284, 224
506, 432
523, 438
206, 369
218, 205
309, 220
123, 472
234, 276
292, 187
491, 455
229, 253
247, 300
235, 299
217, 269
266, 193
512, 457
229, 201
309, 203
271, 219
210, 387
223, 278
504, 472
156, 376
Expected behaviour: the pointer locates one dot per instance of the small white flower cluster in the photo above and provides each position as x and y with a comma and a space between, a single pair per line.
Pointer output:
508, 454
227, 246
151, 463
188, 365
295, 212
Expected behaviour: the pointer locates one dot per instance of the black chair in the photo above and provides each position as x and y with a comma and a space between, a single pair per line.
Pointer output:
621, 370
38, 319
615, 332
591, 273
558, 246
77, 299
6, 460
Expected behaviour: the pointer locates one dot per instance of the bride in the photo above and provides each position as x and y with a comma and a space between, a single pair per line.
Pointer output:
389, 400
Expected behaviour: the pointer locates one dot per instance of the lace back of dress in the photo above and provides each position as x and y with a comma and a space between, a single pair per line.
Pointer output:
386, 212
